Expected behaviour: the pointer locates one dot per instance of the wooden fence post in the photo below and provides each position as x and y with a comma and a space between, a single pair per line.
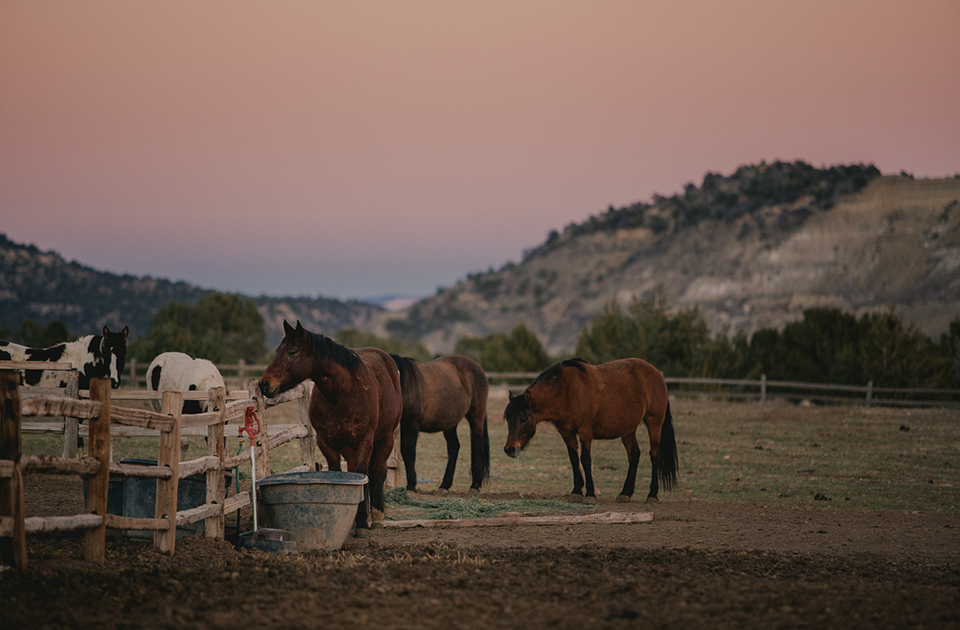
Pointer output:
13, 548
763, 388
133, 373
98, 485
166, 541
869, 393
241, 370
71, 426
213, 526
308, 442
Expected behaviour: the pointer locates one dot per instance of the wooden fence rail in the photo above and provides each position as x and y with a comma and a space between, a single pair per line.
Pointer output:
762, 389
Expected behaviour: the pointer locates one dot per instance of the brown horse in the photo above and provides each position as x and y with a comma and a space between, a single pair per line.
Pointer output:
355, 406
436, 396
602, 402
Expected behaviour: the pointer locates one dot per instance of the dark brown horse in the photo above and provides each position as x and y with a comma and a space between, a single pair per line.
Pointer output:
436, 396
355, 406
602, 402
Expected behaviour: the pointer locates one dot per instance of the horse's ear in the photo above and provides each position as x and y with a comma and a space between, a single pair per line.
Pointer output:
300, 331
510, 395
105, 331
526, 396
287, 328
126, 332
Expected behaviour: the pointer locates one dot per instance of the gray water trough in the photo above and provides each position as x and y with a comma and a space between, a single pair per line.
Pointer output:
317, 508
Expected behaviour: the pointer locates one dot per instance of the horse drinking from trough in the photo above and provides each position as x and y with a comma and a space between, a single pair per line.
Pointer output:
355, 407
436, 396
179, 372
93, 356
603, 402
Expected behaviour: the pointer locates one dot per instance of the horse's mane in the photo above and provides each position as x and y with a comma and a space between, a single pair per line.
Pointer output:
339, 354
409, 376
552, 373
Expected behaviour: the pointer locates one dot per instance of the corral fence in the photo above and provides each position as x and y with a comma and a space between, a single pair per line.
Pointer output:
759, 390
103, 419
763, 390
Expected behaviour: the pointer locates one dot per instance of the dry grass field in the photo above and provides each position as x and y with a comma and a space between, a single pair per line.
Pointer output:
776, 453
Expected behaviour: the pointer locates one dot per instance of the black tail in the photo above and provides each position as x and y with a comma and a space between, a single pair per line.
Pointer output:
480, 456
668, 453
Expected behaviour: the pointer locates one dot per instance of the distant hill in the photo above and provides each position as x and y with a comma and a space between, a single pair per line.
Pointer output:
751, 250
42, 286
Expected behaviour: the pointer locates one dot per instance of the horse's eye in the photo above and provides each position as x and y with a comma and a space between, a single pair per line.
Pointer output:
291, 353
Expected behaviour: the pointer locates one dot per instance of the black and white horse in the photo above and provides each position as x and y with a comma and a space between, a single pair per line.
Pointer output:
93, 356
179, 372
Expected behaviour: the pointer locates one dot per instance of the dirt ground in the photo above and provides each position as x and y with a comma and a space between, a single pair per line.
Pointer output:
698, 564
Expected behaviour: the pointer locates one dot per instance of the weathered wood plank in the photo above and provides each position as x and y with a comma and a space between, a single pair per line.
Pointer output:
6, 468
142, 418
294, 432
34, 365
140, 472
13, 547
98, 484
166, 541
38, 524
237, 501
115, 521
186, 517
49, 465
60, 406
199, 465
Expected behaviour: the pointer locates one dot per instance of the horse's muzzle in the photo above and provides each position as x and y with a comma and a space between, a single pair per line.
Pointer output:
266, 390
512, 451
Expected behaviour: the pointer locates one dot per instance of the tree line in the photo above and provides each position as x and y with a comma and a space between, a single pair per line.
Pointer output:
827, 345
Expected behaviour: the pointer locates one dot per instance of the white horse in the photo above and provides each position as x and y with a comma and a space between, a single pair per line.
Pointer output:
179, 372
93, 356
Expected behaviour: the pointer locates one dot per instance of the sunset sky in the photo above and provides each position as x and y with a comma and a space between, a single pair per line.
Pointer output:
353, 149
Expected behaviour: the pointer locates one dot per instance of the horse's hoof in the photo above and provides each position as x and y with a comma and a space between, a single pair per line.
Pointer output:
589, 500
472, 492
653, 499
377, 521
623, 498
576, 498
361, 532
443, 492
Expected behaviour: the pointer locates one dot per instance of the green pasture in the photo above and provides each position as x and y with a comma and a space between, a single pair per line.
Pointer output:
836, 457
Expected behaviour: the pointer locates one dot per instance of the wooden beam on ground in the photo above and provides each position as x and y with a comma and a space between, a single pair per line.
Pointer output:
520, 519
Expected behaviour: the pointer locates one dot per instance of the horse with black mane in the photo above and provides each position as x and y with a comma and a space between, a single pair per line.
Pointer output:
436, 396
93, 356
355, 406
599, 402
179, 372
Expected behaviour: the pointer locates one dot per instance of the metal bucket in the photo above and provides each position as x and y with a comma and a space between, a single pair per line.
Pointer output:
318, 508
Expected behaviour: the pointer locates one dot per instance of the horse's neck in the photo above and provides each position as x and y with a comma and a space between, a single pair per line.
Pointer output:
339, 380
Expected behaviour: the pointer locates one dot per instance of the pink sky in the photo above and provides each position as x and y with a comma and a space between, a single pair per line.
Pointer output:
353, 149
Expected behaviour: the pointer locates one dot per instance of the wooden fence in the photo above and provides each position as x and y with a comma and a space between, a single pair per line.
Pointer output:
761, 390
105, 418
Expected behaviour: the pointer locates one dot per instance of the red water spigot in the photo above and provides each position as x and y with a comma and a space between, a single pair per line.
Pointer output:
251, 425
